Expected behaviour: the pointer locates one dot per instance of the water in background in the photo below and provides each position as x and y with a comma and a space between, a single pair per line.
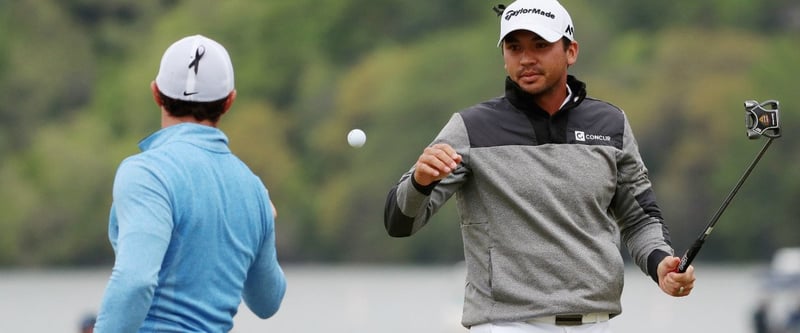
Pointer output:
388, 299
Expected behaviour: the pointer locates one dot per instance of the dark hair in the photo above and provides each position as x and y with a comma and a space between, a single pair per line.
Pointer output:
566, 42
199, 110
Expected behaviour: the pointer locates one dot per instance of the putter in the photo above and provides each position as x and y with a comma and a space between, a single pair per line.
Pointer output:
761, 119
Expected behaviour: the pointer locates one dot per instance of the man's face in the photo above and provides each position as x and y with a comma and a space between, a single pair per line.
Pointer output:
536, 65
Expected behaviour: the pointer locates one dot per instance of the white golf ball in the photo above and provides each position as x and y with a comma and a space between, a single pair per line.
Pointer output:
356, 138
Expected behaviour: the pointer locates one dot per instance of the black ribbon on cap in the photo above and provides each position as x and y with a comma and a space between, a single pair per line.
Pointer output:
498, 9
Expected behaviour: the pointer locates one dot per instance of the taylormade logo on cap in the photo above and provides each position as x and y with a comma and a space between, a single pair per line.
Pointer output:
511, 13
546, 18
195, 69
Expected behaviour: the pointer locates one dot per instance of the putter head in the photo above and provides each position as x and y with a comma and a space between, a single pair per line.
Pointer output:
761, 119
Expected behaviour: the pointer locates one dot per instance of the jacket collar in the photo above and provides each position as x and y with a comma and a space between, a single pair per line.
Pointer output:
524, 101
206, 137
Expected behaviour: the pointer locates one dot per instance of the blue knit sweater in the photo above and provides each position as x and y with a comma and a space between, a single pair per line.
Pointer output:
193, 233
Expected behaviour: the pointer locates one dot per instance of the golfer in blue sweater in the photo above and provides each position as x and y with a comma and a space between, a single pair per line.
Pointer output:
191, 226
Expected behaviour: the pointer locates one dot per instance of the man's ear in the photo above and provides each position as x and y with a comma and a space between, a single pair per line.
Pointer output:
229, 100
572, 53
156, 96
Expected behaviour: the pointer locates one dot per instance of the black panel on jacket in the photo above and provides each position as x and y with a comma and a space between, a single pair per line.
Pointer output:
518, 120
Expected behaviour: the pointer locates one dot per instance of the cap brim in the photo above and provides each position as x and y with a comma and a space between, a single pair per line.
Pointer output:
549, 35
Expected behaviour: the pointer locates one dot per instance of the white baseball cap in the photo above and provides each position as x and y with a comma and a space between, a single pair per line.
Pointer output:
546, 18
195, 69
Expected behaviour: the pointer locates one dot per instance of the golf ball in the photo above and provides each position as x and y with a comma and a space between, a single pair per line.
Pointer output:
356, 138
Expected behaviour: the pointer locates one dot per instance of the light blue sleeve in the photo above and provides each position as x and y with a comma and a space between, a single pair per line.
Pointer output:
141, 222
266, 284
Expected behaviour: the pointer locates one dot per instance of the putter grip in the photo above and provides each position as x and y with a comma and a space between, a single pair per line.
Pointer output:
689, 255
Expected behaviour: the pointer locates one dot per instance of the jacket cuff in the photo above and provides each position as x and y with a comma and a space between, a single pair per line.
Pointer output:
424, 189
653, 260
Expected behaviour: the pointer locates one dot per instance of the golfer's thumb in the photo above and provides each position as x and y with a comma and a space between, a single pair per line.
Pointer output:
672, 263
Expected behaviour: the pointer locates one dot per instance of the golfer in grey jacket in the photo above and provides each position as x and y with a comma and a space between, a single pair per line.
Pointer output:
548, 183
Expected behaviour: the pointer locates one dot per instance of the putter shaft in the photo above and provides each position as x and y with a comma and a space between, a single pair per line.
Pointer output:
688, 257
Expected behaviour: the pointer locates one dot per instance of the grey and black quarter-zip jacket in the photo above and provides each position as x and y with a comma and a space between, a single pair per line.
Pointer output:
543, 201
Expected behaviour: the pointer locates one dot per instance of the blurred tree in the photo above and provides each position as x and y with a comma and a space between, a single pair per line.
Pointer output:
75, 75
68, 173
357, 26
52, 73
752, 15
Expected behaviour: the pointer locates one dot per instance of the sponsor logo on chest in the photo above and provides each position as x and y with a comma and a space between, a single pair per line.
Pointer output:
584, 137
